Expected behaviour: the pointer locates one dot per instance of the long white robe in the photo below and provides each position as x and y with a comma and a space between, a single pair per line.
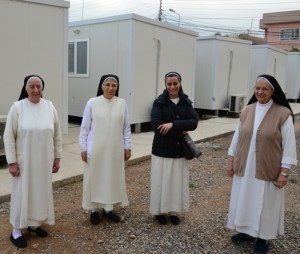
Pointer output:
32, 138
257, 206
105, 133
169, 185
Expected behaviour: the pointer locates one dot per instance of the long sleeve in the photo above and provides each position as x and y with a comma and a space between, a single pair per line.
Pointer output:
57, 137
85, 128
10, 135
234, 141
188, 124
127, 130
289, 155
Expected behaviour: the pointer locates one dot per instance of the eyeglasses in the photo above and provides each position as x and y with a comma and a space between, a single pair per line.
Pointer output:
264, 90
113, 86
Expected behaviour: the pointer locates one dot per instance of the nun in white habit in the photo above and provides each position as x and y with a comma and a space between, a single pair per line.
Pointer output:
261, 155
105, 144
33, 147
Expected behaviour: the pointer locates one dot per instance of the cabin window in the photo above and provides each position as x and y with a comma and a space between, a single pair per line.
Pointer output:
289, 34
78, 58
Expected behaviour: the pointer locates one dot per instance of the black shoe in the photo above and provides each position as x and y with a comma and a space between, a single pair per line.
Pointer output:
161, 219
241, 237
19, 242
37, 232
174, 219
95, 218
261, 246
112, 216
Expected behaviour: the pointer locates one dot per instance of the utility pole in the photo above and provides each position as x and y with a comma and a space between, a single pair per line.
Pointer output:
160, 11
82, 9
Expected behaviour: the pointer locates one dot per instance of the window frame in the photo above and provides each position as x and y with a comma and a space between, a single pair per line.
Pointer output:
75, 74
290, 34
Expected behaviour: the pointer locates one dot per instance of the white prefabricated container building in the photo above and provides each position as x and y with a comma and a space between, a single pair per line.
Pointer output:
34, 41
266, 59
137, 49
293, 75
222, 72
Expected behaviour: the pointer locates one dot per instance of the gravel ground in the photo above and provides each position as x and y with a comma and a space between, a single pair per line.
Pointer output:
202, 230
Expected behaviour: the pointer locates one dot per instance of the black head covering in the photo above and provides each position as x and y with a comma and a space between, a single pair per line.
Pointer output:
24, 94
278, 95
100, 91
174, 74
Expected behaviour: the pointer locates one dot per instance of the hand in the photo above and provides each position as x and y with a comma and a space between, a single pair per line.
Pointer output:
56, 165
127, 154
14, 169
281, 181
84, 156
164, 128
230, 172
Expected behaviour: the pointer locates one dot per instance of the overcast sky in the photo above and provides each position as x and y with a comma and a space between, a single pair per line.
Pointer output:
204, 16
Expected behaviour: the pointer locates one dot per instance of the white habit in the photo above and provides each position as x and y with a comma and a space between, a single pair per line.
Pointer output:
32, 138
104, 134
169, 185
257, 206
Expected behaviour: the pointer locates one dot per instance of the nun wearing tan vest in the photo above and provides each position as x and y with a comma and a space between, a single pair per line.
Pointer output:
261, 155
105, 144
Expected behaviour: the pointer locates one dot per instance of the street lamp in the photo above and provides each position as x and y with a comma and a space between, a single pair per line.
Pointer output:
177, 14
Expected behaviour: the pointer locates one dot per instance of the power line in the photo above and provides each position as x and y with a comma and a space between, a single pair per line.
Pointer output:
194, 15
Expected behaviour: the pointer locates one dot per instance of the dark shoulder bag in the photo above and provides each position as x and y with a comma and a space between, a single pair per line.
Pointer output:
190, 149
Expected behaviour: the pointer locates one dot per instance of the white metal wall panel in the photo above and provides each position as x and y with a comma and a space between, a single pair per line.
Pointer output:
293, 75
268, 60
222, 70
176, 53
205, 74
33, 42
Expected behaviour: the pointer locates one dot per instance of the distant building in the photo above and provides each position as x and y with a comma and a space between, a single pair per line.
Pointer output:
255, 40
282, 29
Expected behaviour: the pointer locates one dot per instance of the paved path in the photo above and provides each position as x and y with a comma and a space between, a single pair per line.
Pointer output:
72, 166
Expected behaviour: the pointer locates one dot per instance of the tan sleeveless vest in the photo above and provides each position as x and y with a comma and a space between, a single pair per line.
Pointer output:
268, 142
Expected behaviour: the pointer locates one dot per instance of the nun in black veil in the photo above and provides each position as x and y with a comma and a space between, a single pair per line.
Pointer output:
105, 144
261, 155
33, 148
24, 93
172, 115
